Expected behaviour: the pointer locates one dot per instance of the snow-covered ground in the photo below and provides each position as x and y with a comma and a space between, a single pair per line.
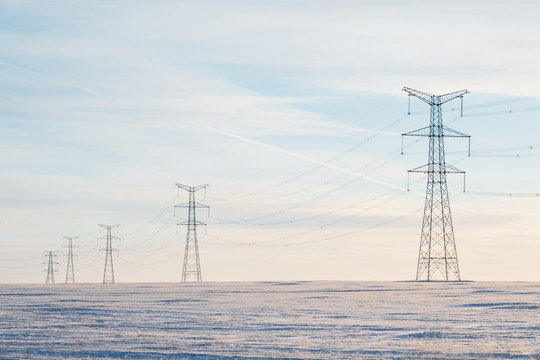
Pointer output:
272, 320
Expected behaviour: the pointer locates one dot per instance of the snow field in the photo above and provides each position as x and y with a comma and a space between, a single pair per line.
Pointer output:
272, 320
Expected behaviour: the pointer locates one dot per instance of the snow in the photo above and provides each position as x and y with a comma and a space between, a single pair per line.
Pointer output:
272, 320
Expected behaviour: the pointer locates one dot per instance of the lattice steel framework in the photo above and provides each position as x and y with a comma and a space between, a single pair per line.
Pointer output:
192, 264
50, 267
437, 255
108, 273
70, 273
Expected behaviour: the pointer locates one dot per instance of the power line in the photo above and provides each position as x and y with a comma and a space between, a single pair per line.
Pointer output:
170, 223
168, 207
507, 194
20, 259
22, 273
322, 165
504, 101
88, 252
295, 235
153, 263
503, 112
151, 252
373, 166
489, 104
90, 264
322, 239
392, 195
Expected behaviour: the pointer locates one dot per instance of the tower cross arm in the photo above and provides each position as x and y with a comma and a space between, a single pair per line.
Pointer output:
425, 97
453, 170
425, 131
191, 188
191, 222
448, 169
109, 226
112, 237
450, 96
72, 246
105, 249
434, 99
418, 132
196, 204
454, 133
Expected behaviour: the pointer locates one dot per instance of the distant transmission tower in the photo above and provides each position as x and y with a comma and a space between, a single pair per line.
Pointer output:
70, 273
108, 273
50, 267
192, 264
438, 254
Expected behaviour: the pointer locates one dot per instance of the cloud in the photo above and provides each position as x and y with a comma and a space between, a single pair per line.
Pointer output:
346, 47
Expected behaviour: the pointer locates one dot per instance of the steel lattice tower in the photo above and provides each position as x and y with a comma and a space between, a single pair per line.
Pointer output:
192, 264
438, 254
108, 273
70, 273
50, 267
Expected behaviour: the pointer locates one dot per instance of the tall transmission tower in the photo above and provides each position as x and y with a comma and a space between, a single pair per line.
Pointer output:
108, 273
437, 255
50, 267
70, 273
192, 264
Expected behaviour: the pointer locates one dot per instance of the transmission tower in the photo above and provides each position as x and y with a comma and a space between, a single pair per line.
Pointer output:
192, 264
50, 267
108, 273
70, 273
438, 254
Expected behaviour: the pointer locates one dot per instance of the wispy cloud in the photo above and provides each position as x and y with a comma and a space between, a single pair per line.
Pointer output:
50, 79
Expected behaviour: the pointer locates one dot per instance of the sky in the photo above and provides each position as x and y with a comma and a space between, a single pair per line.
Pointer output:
291, 111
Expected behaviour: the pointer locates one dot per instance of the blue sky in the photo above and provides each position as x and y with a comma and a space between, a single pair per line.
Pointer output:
106, 105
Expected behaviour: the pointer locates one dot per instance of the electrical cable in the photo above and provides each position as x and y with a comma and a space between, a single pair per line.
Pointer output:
326, 238
152, 252
304, 232
170, 222
502, 112
354, 147
150, 222
507, 194
374, 166
157, 262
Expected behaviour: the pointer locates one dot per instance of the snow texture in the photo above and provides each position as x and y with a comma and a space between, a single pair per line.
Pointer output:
272, 320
